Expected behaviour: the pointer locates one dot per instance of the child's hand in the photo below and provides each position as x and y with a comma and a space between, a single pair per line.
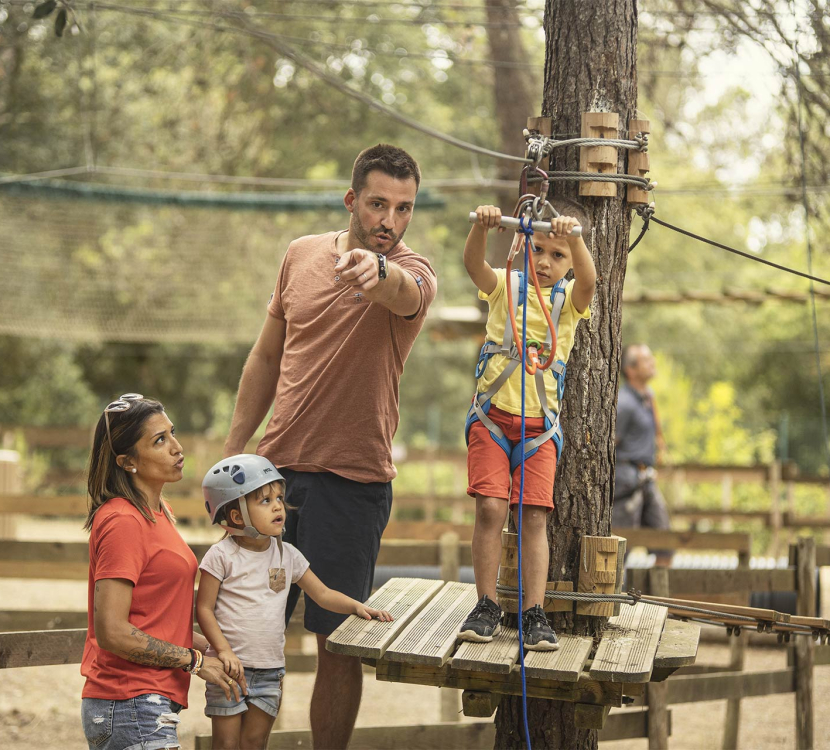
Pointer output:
562, 226
367, 613
232, 665
489, 217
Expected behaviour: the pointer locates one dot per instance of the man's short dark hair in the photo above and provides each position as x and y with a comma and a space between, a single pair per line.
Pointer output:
390, 160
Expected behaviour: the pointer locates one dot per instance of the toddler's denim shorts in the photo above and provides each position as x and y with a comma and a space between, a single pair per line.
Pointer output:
146, 722
264, 692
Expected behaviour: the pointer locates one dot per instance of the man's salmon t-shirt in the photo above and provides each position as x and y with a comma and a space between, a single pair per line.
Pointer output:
336, 406
162, 568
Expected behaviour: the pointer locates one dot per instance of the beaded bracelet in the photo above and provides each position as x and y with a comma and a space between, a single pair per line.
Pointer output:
189, 667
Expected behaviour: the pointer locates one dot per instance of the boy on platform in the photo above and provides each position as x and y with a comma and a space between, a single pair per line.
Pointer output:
242, 595
492, 480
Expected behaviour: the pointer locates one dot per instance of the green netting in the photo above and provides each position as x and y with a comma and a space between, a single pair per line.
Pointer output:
101, 271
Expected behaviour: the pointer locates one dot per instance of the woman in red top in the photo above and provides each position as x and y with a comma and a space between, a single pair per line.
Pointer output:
140, 648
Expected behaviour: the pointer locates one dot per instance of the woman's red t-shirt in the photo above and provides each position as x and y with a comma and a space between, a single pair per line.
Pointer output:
162, 569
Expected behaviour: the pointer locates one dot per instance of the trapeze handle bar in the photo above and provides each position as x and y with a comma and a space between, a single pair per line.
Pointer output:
511, 223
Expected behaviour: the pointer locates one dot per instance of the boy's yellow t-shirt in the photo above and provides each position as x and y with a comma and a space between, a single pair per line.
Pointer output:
509, 396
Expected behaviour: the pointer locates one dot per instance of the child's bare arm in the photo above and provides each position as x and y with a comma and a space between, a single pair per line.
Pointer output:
479, 270
585, 274
334, 601
205, 605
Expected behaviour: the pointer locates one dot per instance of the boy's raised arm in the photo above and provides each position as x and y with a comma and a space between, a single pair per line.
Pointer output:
475, 249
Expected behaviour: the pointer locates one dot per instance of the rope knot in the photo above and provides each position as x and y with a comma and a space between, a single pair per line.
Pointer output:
526, 229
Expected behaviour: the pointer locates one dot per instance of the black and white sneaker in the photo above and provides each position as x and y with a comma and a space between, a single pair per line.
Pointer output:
482, 623
537, 633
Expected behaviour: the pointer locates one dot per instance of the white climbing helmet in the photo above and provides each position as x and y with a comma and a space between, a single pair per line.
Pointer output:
233, 478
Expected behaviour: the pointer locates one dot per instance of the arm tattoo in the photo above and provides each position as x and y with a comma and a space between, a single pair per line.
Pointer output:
156, 653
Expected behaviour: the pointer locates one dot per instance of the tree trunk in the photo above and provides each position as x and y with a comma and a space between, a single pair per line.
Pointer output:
513, 84
590, 65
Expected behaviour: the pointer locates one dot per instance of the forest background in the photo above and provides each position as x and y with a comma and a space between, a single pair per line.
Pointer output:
153, 286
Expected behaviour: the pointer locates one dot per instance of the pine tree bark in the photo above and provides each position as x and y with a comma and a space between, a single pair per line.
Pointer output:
590, 65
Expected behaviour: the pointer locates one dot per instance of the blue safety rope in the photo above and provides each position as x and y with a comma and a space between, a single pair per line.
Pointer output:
528, 231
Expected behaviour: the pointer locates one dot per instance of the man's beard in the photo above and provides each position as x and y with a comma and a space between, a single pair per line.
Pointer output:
365, 236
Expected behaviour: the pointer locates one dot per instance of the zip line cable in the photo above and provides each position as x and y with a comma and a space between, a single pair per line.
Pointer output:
743, 254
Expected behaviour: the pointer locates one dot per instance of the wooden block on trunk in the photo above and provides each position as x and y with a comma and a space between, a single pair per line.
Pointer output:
638, 163
598, 566
480, 704
600, 159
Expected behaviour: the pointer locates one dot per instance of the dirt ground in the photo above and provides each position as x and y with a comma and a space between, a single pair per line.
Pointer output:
40, 706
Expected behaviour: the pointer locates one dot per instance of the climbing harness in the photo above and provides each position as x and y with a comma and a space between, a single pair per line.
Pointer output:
528, 209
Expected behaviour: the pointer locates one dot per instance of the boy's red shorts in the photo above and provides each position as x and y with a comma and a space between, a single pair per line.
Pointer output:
488, 467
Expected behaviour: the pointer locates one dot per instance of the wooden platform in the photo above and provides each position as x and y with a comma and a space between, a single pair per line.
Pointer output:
420, 647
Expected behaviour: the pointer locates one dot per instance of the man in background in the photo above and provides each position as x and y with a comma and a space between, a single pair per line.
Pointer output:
637, 498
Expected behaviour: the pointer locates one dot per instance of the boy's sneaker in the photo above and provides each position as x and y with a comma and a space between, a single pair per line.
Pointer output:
537, 633
482, 623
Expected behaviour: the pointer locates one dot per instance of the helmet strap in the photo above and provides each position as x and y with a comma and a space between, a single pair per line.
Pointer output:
249, 530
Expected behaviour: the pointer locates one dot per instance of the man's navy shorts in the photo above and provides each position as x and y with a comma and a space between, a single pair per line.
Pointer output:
337, 524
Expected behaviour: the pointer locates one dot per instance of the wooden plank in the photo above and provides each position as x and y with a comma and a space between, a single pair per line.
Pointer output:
498, 656
805, 647
702, 582
706, 687
678, 644
658, 707
690, 540
598, 572
564, 665
629, 643
430, 637
479, 704
585, 690
403, 598
41, 648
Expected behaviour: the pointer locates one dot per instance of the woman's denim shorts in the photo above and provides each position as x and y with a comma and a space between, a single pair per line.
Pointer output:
264, 692
146, 722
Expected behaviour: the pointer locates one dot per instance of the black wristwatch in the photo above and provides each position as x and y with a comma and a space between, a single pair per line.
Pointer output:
382, 267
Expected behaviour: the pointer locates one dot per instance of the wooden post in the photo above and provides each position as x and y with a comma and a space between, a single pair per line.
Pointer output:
11, 483
726, 500
658, 716
601, 159
638, 164
737, 651
775, 505
804, 646
450, 556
